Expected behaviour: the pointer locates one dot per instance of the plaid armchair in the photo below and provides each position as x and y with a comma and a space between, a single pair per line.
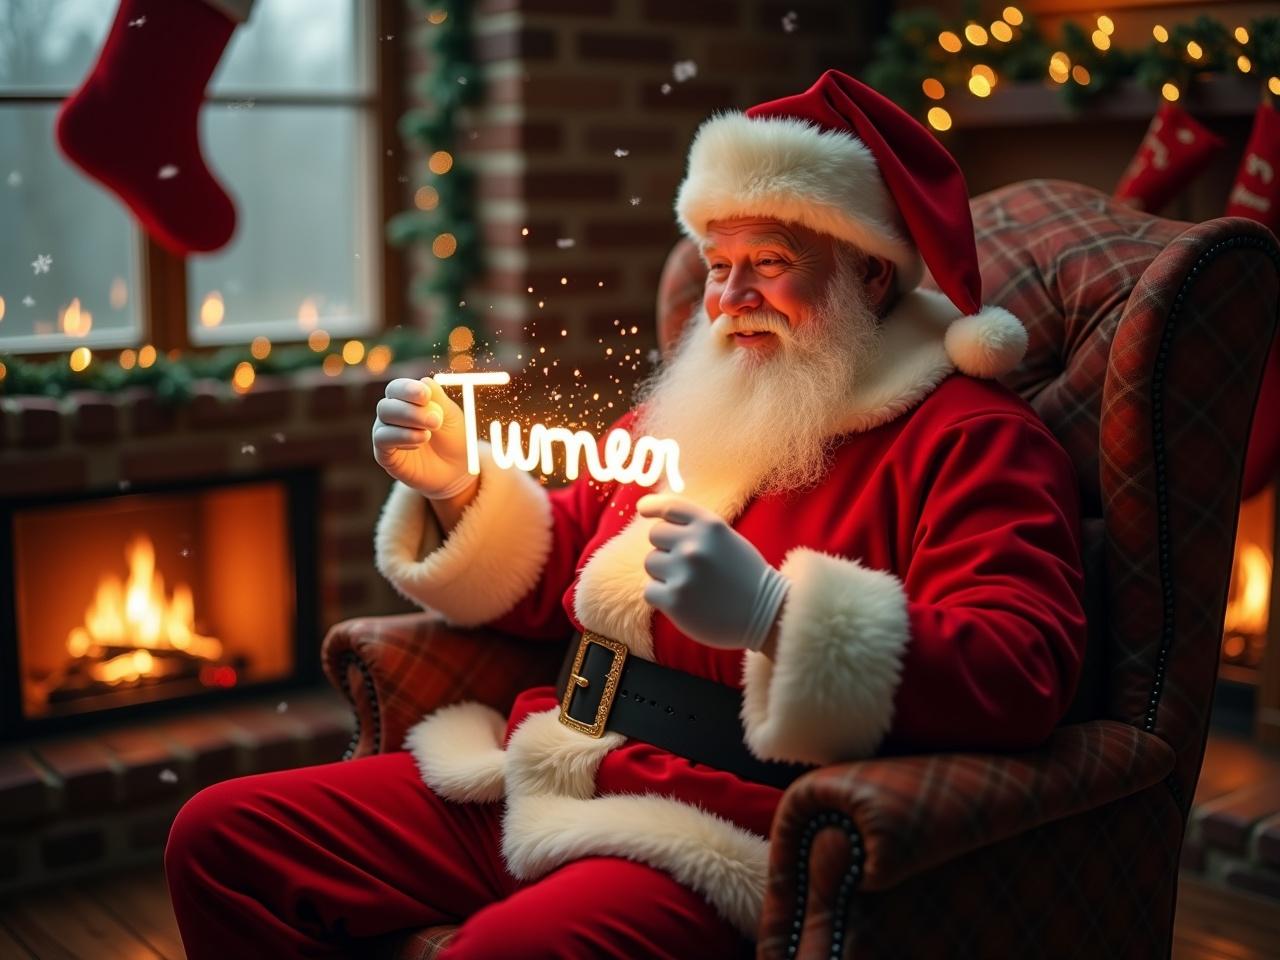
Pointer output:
1147, 342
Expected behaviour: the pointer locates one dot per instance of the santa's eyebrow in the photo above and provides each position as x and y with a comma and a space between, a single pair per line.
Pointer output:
768, 240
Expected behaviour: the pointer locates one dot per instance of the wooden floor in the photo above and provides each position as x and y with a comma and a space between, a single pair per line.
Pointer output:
127, 917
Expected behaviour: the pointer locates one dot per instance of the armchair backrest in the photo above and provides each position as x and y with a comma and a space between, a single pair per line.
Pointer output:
1147, 339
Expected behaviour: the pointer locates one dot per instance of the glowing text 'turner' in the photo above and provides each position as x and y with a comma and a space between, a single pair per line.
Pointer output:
641, 465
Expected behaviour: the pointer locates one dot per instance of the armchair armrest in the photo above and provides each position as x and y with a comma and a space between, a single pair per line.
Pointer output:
905, 815
395, 669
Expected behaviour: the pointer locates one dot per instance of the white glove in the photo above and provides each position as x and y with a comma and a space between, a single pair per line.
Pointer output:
420, 440
708, 579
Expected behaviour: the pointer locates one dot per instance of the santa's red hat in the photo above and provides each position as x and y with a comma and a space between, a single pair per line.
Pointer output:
845, 161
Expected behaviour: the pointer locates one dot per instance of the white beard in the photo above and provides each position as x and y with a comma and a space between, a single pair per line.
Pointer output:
764, 422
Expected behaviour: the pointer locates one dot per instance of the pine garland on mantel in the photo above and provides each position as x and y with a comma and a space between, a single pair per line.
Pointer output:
923, 59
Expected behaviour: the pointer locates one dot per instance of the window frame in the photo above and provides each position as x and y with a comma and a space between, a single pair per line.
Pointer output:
162, 275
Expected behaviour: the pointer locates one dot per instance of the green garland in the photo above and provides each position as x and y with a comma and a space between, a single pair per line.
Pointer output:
451, 82
910, 53
172, 380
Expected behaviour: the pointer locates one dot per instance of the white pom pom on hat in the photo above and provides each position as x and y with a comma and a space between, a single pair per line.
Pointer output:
845, 161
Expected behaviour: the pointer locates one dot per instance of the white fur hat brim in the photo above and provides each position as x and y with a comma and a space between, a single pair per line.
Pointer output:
789, 169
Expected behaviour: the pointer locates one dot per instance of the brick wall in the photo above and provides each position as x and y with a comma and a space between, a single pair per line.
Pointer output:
568, 82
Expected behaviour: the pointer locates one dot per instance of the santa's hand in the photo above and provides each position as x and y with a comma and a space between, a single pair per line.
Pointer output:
707, 578
419, 438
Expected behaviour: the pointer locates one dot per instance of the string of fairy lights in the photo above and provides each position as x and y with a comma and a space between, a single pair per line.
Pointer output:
923, 60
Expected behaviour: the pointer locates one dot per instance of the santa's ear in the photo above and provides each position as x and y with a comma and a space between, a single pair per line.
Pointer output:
879, 275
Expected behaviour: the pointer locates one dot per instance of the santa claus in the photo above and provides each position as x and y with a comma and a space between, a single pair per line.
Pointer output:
876, 550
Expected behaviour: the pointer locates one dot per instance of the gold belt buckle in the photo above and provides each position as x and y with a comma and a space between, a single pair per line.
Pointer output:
576, 680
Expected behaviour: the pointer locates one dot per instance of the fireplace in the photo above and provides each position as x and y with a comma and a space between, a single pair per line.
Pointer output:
140, 600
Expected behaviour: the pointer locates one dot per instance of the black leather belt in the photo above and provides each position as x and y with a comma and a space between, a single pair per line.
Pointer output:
603, 690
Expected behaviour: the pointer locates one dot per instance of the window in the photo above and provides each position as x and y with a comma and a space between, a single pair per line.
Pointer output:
290, 128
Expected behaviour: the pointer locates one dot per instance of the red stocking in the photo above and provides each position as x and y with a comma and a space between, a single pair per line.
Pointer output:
133, 123
1175, 149
1256, 195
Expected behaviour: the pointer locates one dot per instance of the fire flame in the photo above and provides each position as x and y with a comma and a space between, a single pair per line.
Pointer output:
137, 614
1251, 588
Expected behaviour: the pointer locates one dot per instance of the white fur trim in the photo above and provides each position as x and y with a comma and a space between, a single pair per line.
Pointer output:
988, 343
841, 640
459, 752
725, 863
546, 758
609, 597
491, 559
790, 169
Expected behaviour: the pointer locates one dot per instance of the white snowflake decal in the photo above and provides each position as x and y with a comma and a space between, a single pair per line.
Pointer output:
28, 301
665, 88
42, 263
167, 172
684, 70
14, 179
564, 243
789, 22
635, 201
137, 23
620, 153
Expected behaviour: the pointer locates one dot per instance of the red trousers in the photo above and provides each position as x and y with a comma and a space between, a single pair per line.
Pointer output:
320, 861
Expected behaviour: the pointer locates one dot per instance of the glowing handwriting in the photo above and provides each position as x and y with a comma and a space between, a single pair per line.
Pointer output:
648, 459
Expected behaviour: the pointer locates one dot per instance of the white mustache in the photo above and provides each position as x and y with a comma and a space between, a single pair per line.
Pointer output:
761, 321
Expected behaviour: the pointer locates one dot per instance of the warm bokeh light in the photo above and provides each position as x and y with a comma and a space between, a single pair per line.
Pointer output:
1194, 50
461, 363
128, 358
441, 162
1012, 15
982, 70
74, 321
1, 308
979, 86
243, 377
1241, 35
1170, 92
461, 338
437, 17
1080, 74
1002, 31
352, 352
1060, 67
1106, 25
260, 348
1160, 33
4, 371
426, 198
939, 119
1101, 40
1243, 63
212, 310
318, 340
146, 356
308, 314
444, 246
332, 365
949, 42
119, 295
1273, 84
379, 358
79, 359
524, 231
976, 34
933, 88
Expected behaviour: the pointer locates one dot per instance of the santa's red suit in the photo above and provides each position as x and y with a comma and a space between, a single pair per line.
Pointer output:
934, 602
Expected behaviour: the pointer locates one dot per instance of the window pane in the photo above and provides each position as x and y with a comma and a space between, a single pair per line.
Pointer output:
300, 256
292, 46
50, 44
49, 210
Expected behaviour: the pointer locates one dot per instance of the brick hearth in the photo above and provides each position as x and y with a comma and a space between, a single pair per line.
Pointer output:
75, 806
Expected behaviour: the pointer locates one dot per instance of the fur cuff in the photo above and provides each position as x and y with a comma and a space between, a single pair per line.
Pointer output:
841, 640
459, 752
492, 558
